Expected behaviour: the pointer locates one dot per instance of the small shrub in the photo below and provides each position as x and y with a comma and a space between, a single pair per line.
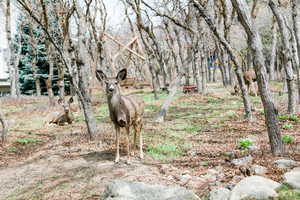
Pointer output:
294, 118
12, 150
283, 117
287, 139
287, 126
245, 143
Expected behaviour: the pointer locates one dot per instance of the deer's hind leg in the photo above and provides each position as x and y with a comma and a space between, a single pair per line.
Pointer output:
139, 132
128, 143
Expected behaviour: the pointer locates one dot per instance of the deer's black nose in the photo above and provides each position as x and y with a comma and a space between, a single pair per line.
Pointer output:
111, 89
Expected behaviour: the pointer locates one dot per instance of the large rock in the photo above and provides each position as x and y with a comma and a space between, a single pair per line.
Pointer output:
126, 190
258, 170
219, 194
292, 178
285, 163
255, 187
242, 161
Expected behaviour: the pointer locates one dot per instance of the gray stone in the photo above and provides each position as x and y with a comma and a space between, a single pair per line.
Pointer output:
126, 190
285, 163
292, 178
242, 161
253, 148
258, 170
255, 187
219, 194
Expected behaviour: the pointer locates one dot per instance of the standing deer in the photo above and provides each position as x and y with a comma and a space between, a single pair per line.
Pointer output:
124, 111
250, 78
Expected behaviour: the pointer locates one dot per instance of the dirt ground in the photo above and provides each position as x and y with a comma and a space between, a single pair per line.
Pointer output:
59, 162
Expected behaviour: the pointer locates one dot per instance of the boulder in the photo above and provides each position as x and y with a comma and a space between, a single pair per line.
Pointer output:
254, 187
285, 163
219, 194
242, 161
258, 170
127, 190
292, 178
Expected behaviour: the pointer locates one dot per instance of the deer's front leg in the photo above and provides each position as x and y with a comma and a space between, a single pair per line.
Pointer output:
141, 140
117, 158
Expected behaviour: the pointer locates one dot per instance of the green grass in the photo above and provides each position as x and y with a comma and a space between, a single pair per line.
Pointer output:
151, 108
192, 128
164, 151
287, 193
149, 96
213, 100
12, 150
102, 113
26, 141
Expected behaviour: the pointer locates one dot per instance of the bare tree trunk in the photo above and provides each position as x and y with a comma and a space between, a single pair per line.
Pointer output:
4, 128
50, 77
13, 68
286, 58
61, 82
296, 28
203, 77
226, 45
260, 70
165, 107
273, 52
83, 75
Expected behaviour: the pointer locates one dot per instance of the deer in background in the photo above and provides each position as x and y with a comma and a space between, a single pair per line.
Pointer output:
63, 116
250, 78
125, 111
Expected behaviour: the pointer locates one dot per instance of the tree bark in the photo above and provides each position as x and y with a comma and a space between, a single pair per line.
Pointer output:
165, 107
4, 128
226, 45
50, 77
296, 28
273, 52
286, 58
260, 70
12, 66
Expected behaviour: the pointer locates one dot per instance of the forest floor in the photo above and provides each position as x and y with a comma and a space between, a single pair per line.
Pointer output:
200, 131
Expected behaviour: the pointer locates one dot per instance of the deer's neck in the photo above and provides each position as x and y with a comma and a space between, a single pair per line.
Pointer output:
114, 100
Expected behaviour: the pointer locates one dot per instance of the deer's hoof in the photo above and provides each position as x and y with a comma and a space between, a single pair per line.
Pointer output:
141, 156
117, 160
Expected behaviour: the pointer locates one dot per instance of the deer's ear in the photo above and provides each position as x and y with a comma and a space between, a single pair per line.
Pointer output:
122, 74
71, 100
100, 75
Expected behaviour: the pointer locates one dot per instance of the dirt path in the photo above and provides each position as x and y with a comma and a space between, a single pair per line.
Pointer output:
82, 175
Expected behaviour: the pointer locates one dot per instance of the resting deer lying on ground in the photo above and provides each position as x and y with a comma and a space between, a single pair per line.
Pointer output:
124, 111
63, 116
